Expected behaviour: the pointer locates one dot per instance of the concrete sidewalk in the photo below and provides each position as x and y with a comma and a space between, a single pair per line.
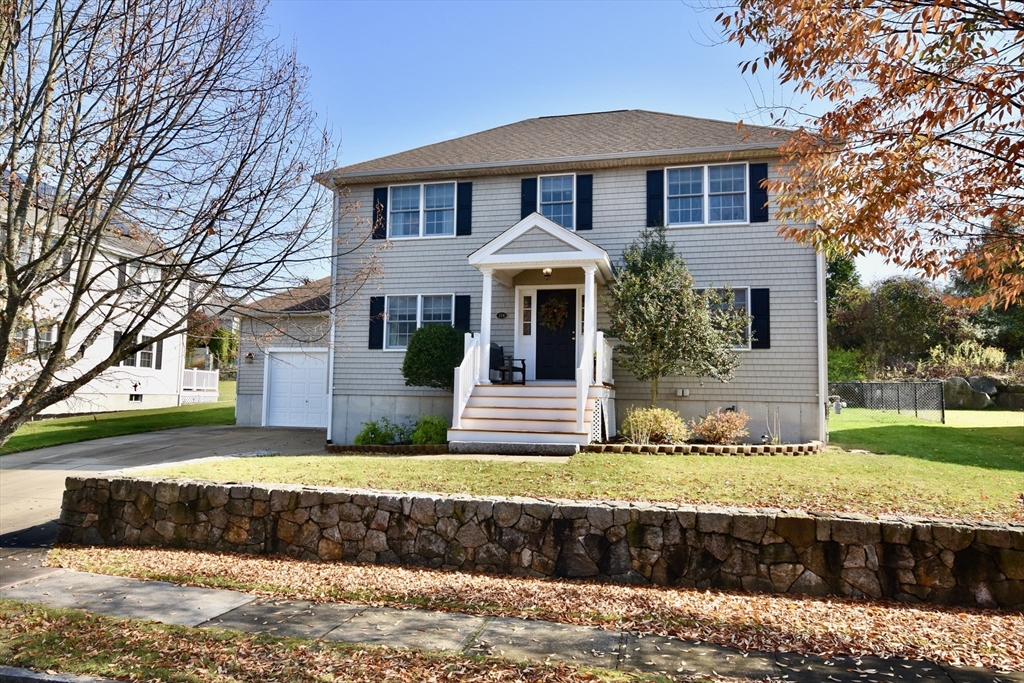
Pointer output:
473, 635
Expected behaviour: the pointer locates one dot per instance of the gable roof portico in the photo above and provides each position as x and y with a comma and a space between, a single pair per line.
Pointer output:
533, 243
538, 242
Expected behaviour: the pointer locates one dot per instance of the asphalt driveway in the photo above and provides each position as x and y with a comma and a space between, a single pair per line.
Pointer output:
32, 482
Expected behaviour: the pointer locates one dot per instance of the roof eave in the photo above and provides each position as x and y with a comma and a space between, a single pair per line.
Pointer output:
338, 176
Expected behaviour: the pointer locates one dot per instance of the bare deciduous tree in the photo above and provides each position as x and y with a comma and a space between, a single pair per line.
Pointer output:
156, 158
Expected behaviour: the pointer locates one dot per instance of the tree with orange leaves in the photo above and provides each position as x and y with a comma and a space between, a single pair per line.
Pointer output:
920, 156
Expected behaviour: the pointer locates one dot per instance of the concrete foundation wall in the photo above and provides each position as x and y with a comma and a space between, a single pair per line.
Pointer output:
351, 411
913, 560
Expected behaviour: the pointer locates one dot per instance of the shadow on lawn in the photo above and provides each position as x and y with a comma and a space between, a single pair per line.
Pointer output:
994, 448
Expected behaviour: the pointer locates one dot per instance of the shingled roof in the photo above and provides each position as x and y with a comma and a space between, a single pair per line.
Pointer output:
312, 297
628, 134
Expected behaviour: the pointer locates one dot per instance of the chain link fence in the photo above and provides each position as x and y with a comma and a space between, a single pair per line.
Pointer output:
893, 402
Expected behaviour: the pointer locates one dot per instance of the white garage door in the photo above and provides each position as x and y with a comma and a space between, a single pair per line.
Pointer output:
297, 386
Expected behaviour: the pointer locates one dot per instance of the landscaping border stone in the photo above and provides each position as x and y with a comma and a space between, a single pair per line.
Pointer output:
975, 564
809, 448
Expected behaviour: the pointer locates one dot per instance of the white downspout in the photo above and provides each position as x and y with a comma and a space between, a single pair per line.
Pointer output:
333, 317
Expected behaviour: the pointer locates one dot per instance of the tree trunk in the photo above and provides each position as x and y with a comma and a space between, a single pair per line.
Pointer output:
654, 392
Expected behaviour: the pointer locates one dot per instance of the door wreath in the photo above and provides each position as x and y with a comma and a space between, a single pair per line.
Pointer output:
554, 312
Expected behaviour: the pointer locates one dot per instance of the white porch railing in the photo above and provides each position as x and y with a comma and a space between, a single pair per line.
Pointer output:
200, 380
584, 378
465, 377
604, 361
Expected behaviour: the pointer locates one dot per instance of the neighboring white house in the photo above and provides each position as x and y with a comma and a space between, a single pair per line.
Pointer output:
513, 233
152, 377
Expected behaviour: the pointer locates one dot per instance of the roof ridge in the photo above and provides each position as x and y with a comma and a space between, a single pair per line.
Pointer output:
618, 133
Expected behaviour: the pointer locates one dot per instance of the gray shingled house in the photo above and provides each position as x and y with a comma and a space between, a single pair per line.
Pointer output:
512, 234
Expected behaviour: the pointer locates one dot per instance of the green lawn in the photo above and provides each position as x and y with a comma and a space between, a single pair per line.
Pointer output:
980, 438
65, 430
982, 482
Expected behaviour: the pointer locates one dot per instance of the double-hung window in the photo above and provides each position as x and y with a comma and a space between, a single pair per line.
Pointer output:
727, 194
422, 210
703, 195
146, 354
557, 194
740, 302
404, 314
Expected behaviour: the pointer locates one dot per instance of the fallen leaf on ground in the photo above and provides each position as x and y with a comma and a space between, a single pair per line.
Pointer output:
747, 621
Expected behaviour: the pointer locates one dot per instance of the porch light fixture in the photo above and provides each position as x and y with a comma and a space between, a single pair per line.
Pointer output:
547, 273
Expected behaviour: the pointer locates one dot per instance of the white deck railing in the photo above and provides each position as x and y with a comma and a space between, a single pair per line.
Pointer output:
465, 377
584, 378
604, 360
200, 380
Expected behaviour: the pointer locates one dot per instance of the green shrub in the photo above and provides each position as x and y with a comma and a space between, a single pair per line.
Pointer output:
847, 365
430, 429
654, 425
433, 353
722, 426
968, 357
381, 432
224, 346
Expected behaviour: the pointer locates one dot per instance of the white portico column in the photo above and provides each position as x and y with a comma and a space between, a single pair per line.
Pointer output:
589, 303
485, 328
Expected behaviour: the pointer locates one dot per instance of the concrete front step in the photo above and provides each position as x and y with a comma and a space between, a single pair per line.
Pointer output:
516, 436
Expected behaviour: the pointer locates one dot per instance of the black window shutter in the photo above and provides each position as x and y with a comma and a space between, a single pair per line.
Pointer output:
655, 198
117, 340
380, 213
464, 210
760, 326
758, 194
585, 202
159, 362
376, 322
461, 318
122, 274
528, 197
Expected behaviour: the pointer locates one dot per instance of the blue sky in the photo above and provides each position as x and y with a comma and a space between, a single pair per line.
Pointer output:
390, 76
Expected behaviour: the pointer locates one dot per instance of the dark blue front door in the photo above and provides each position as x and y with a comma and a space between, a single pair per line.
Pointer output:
556, 334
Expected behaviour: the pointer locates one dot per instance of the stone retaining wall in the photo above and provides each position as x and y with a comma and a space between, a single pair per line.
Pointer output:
756, 550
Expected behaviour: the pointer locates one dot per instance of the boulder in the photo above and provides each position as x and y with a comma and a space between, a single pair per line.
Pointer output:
960, 395
987, 385
1010, 401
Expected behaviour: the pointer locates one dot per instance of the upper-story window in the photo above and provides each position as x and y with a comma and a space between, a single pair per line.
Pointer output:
557, 197
422, 210
699, 195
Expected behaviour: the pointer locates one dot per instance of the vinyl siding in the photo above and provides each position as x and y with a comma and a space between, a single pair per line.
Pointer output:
536, 242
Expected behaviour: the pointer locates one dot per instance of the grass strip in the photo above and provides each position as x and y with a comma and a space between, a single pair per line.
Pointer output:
72, 641
750, 622
64, 430
835, 481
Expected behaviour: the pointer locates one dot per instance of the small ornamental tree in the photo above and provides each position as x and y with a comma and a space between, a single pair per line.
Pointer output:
224, 345
433, 353
666, 327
